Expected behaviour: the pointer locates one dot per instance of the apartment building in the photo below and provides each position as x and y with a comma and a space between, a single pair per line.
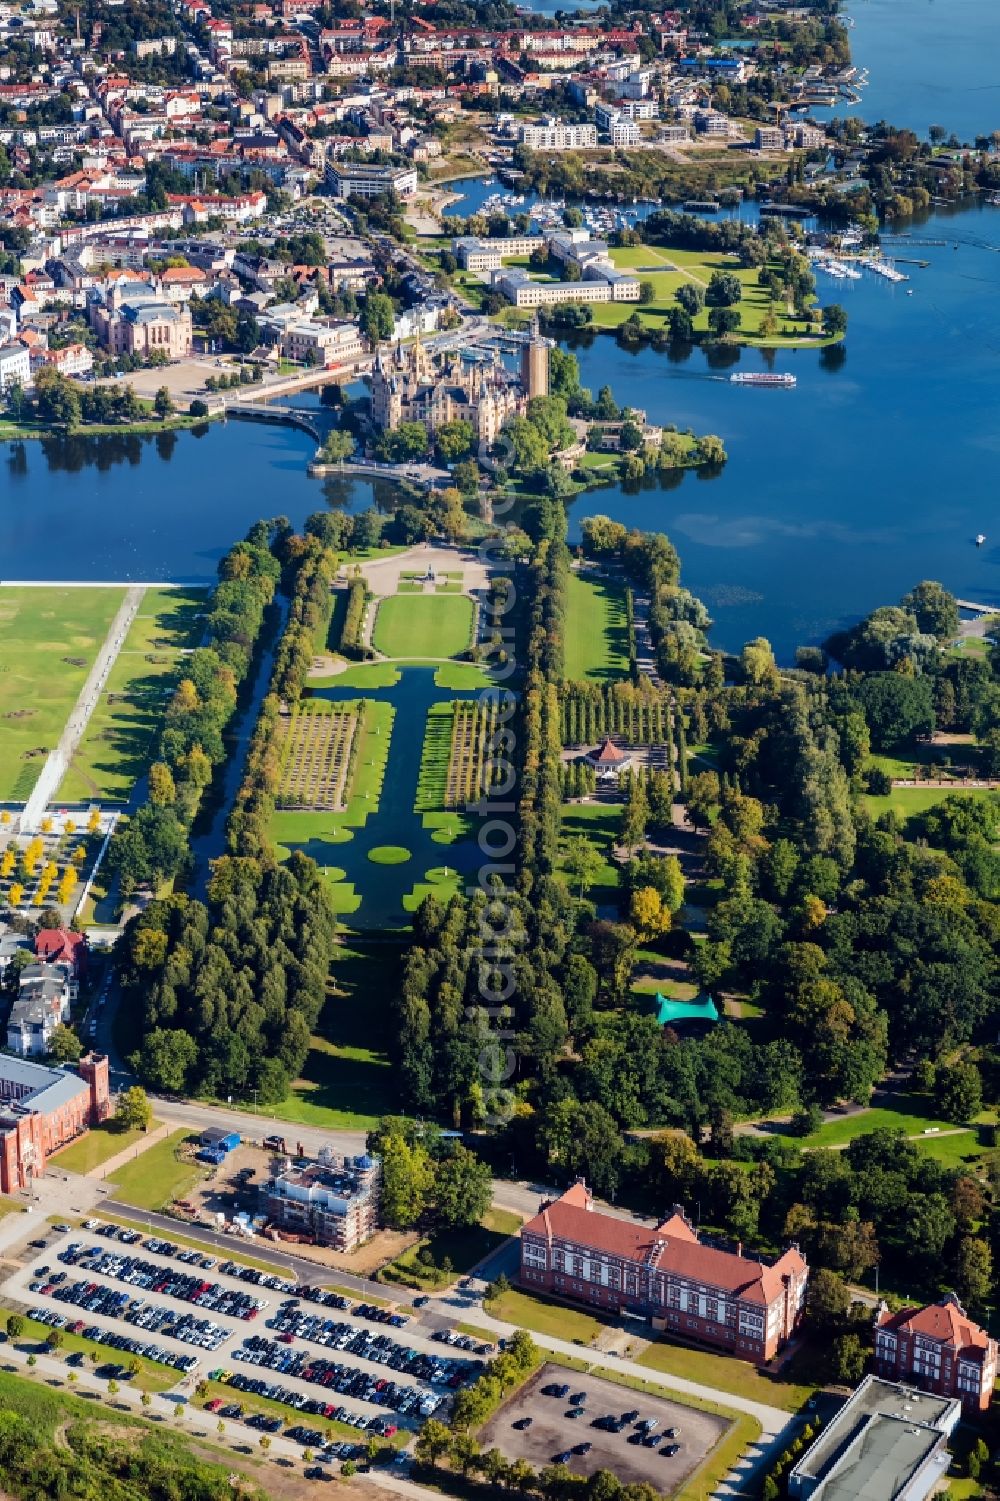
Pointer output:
333, 1202
938, 1348
666, 1274
557, 135
44, 997
489, 255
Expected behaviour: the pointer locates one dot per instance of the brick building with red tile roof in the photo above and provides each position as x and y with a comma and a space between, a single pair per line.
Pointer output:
665, 1273
62, 946
939, 1348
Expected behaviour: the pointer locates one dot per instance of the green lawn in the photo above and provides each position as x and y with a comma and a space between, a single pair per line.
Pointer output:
49, 639
724, 1373
152, 1376
157, 1177
347, 1080
596, 633
115, 750
423, 625
906, 801
667, 269
99, 1145
463, 1248
911, 1114
544, 1317
442, 881
598, 822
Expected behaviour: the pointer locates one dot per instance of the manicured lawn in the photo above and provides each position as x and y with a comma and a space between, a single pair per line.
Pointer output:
389, 854
423, 625
115, 750
442, 881
152, 1376
556, 1319
348, 1081
159, 1176
596, 634
911, 1115
49, 639
364, 675
725, 1373
99, 1145
906, 801
460, 676
449, 827
667, 269
598, 822
463, 1248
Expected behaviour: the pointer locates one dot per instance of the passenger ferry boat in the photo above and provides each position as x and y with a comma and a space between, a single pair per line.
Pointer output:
762, 378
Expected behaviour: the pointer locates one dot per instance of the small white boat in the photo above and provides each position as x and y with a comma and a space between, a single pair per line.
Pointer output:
980, 538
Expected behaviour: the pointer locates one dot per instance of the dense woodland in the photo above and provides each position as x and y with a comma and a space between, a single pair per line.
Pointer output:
859, 944
228, 991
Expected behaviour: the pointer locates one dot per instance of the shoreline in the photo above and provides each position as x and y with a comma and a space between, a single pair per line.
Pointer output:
12, 432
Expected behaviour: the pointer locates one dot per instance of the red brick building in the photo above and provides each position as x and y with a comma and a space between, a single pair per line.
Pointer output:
939, 1349
664, 1273
43, 1109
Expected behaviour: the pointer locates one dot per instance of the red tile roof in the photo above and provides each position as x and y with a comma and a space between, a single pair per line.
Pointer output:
672, 1247
56, 945
609, 754
946, 1322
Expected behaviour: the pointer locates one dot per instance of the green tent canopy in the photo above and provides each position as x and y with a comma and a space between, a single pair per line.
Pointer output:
701, 1010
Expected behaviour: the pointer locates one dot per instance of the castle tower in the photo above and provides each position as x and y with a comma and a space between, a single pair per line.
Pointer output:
535, 363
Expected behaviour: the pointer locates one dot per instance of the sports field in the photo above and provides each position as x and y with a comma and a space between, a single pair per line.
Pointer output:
431, 626
116, 748
49, 639
596, 632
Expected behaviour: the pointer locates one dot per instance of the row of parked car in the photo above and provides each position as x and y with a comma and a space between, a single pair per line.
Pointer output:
94, 1297
460, 1341
321, 1295
439, 1370
347, 1380
114, 1340
186, 1287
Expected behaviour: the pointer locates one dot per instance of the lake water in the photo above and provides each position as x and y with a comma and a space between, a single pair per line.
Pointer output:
930, 62
876, 471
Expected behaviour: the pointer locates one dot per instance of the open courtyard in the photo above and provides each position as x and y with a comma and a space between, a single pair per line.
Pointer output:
550, 1432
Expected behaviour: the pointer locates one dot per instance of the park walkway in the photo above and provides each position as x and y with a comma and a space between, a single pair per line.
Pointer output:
129, 1153
58, 760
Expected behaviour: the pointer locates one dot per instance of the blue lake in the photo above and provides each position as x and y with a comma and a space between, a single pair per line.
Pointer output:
876, 471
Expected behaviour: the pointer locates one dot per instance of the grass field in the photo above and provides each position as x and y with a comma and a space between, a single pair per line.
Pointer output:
543, 1317
423, 625
115, 750
347, 1081
668, 269
598, 822
100, 1144
596, 633
910, 1113
158, 1176
906, 801
724, 1373
49, 639
462, 1248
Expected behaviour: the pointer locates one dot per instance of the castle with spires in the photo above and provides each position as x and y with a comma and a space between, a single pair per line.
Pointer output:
414, 385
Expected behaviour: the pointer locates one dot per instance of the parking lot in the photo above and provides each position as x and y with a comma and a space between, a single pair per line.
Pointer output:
304, 1346
537, 1427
